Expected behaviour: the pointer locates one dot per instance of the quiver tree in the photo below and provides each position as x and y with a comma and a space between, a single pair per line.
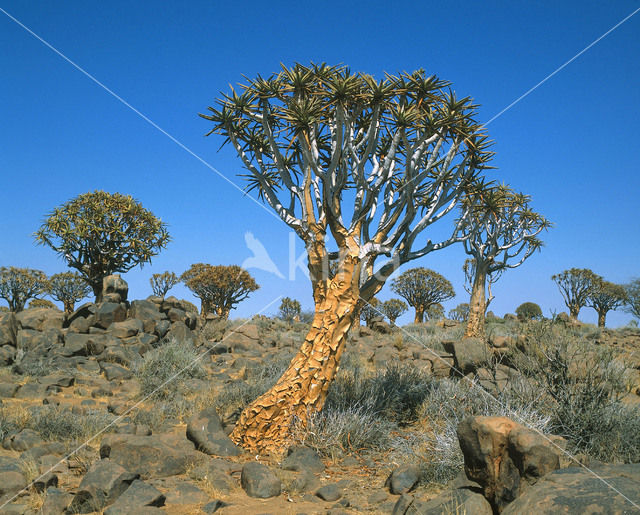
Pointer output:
575, 286
370, 310
500, 233
102, 233
459, 313
604, 297
393, 308
632, 304
220, 288
68, 288
434, 312
352, 164
528, 311
18, 285
422, 288
289, 310
162, 283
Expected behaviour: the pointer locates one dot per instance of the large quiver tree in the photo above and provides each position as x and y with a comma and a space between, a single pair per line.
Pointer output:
355, 165
100, 233
422, 288
500, 232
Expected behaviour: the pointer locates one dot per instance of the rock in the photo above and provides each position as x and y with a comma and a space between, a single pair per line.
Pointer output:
576, 490
31, 391
502, 342
40, 319
109, 312
103, 483
162, 327
113, 372
23, 440
11, 482
8, 329
214, 506
56, 501
180, 332
403, 479
137, 495
331, 492
259, 481
176, 314
60, 379
185, 493
149, 456
469, 353
8, 390
148, 313
300, 458
205, 431
503, 457
450, 501
30, 339
116, 287
7, 355
381, 327
126, 329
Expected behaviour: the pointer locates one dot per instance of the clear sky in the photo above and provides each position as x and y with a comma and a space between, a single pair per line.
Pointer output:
572, 144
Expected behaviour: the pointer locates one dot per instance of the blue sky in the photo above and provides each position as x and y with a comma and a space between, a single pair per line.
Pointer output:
571, 144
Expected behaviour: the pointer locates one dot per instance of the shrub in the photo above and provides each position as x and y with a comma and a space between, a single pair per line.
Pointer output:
102, 233
54, 423
528, 311
161, 364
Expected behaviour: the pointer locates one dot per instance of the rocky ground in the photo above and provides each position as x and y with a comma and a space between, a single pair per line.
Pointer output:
80, 435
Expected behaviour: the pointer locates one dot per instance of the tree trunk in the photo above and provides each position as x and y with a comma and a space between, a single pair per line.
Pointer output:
419, 318
574, 310
68, 306
602, 317
477, 305
265, 425
97, 290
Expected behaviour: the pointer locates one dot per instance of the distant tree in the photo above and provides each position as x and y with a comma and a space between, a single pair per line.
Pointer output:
220, 288
528, 311
604, 297
68, 288
434, 312
370, 311
422, 288
393, 308
18, 285
102, 233
633, 298
289, 309
575, 286
460, 312
162, 283
42, 303
500, 233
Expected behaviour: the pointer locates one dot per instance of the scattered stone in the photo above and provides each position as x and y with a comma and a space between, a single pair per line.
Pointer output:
56, 501
109, 312
113, 372
11, 482
469, 353
185, 493
205, 431
214, 506
330, 492
259, 481
8, 390
25, 439
126, 329
302, 458
139, 494
116, 287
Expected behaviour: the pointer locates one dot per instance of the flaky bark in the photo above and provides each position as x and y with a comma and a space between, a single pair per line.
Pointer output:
574, 310
477, 306
602, 317
419, 318
265, 425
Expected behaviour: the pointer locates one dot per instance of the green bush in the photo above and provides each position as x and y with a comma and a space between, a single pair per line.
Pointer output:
159, 366
528, 311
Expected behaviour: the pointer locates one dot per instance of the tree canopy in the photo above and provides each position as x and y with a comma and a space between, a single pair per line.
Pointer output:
633, 298
162, 283
68, 288
100, 233
422, 288
392, 309
605, 296
289, 309
575, 285
18, 285
220, 288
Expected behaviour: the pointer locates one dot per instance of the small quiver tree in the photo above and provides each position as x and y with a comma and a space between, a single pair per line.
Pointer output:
289, 310
68, 288
355, 165
422, 288
632, 304
393, 308
220, 288
18, 285
102, 233
575, 285
500, 233
604, 297
459, 313
162, 283
528, 311
369, 311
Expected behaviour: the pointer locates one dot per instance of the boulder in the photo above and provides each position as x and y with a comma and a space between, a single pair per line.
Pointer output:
469, 353
180, 332
403, 479
8, 329
115, 287
149, 456
139, 494
56, 501
40, 319
11, 482
579, 490
205, 431
449, 501
147, 312
259, 481
109, 312
504, 457
302, 459
103, 483
7, 355
126, 329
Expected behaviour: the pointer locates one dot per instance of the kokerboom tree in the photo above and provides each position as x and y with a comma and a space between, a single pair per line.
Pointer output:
422, 288
68, 288
358, 168
606, 296
100, 233
500, 232
18, 285
575, 285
